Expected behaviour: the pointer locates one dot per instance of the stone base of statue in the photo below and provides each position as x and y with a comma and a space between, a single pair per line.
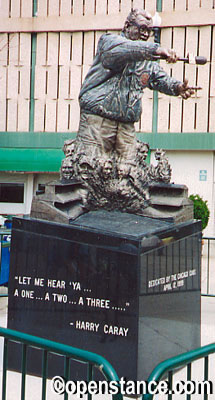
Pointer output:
121, 285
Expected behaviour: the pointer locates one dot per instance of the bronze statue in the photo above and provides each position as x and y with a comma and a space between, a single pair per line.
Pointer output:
110, 102
105, 161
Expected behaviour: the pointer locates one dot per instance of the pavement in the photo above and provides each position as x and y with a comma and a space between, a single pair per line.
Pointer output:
34, 384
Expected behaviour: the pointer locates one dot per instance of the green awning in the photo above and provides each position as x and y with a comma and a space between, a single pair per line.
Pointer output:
30, 160
32, 152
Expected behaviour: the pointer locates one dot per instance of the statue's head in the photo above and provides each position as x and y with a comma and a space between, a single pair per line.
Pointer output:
143, 149
66, 169
123, 170
107, 168
85, 169
159, 154
138, 25
69, 147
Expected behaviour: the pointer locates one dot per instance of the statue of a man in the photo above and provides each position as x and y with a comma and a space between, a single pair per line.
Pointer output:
110, 98
105, 166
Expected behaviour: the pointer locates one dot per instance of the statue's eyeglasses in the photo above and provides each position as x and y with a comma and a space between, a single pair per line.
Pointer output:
143, 29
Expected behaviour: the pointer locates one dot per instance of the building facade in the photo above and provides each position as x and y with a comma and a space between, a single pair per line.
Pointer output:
46, 48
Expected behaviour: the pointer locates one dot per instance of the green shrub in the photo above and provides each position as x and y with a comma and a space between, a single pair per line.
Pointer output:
201, 210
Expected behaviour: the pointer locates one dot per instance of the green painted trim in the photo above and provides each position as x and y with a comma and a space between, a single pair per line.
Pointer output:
179, 141
159, 6
51, 140
42, 152
34, 8
155, 113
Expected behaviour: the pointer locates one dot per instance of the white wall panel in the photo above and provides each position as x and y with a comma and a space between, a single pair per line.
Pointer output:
126, 6
41, 51
190, 74
53, 49
203, 81
12, 115
65, 7
78, 7
26, 8
42, 8
3, 80
40, 82
12, 90
64, 81
74, 116
150, 5
13, 52
23, 115
163, 100
113, 7
65, 48
15, 8
50, 121
4, 8
138, 4
90, 7
167, 5
77, 46
24, 82
53, 8
52, 82
180, 5
101, 7
212, 115
207, 4
62, 119
39, 115
75, 81
3, 114
146, 117
4, 48
88, 48
25, 49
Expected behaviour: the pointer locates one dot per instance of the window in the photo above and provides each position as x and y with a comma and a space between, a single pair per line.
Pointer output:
11, 192
16, 191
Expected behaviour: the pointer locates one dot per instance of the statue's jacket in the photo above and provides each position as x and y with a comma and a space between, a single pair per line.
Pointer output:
121, 70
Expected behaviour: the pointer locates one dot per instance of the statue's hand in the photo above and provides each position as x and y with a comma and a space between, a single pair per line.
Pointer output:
186, 91
168, 54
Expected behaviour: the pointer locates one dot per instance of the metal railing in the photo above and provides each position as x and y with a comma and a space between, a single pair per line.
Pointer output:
92, 360
165, 368
169, 366
208, 254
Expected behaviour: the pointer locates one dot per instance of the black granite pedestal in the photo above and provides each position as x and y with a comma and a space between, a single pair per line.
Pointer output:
124, 286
